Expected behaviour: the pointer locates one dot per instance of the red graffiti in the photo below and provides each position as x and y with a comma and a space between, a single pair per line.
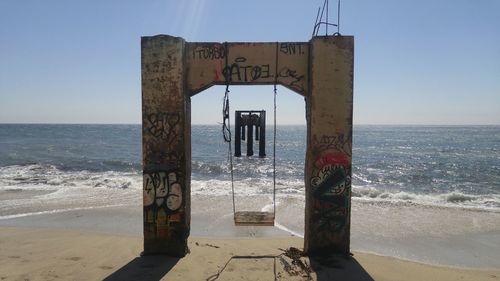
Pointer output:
331, 208
319, 204
216, 72
329, 159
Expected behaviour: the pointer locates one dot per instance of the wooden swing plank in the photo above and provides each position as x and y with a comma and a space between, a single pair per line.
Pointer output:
254, 218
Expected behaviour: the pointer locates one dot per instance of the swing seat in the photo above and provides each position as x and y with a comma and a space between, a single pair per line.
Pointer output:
254, 218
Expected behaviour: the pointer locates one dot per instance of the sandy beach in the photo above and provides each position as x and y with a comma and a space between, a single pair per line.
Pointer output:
105, 242
41, 254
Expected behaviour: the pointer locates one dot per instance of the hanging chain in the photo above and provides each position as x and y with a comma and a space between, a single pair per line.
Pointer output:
227, 138
226, 126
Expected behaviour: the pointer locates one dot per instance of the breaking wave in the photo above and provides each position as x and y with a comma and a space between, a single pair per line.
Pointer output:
46, 176
489, 202
50, 177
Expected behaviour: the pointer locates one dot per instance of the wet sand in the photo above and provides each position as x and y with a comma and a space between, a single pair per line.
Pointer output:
42, 254
437, 236
389, 242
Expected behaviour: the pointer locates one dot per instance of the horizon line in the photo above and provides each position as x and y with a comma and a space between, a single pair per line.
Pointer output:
285, 124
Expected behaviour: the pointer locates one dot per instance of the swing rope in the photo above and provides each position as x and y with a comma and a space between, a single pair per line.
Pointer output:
226, 127
227, 137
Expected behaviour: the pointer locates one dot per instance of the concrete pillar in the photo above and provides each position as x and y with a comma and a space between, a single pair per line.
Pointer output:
166, 146
329, 146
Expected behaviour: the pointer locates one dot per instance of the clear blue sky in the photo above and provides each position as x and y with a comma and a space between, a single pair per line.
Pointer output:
416, 62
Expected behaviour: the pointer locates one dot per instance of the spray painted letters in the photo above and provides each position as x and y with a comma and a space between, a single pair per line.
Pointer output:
239, 71
164, 125
162, 201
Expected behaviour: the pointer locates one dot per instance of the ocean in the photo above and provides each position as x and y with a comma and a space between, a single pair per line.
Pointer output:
429, 165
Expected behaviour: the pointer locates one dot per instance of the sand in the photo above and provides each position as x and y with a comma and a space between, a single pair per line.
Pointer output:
44, 254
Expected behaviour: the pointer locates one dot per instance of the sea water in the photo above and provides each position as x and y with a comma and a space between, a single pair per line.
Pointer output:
409, 182
442, 166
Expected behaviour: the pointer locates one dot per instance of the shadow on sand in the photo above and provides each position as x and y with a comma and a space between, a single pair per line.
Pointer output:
146, 268
324, 269
154, 268
339, 268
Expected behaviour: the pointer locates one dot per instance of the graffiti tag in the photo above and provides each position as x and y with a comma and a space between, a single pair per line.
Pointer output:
164, 125
296, 78
291, 48
213, 52
241, 72
339, 142
163, 190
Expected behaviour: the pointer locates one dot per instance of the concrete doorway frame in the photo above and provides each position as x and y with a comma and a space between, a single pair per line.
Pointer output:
174, 70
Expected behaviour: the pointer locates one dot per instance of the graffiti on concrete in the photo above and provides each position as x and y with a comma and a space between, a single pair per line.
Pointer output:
209, 52
164, 125
292, 48
332, 174
168, 159
162, 201
163, 190
285, 63
329, 220
339, 142
331, 183
295, 78
162, 63
241, 71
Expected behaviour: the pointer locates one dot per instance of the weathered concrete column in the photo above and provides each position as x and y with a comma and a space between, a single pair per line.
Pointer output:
166, 146
329, 146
